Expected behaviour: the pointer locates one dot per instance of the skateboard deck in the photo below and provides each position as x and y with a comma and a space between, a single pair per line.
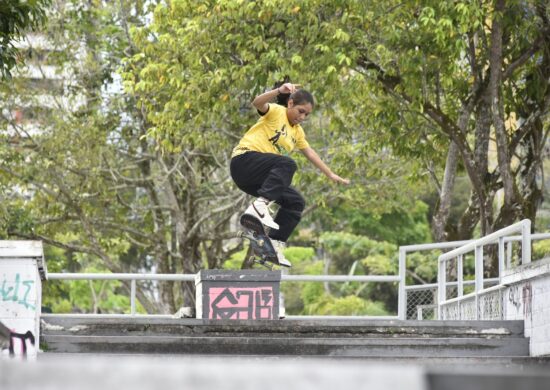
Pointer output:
259, 240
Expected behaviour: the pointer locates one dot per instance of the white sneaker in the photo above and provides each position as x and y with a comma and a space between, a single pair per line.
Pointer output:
280, 246
259, 208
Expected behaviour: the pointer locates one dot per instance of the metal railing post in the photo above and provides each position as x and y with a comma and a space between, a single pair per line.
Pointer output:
478, 275
501, 256
526, 241
133, 297
401, 297
460, 276
442, 286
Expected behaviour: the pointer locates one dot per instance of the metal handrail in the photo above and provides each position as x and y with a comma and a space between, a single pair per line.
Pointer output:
506, 242
122, 276
192, 277
456, 246
134, 277
403, 250
499, 237
434, 286
523, 226
473, 294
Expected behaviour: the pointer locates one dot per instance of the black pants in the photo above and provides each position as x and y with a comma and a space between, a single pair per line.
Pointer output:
269, 175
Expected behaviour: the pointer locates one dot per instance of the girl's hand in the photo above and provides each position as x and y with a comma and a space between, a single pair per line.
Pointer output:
287, 88
337, 179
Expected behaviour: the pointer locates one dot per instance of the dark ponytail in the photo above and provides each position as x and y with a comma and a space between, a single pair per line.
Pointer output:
301, 96
282, 98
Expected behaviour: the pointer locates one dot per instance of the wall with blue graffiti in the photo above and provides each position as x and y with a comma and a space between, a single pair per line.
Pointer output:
20, 297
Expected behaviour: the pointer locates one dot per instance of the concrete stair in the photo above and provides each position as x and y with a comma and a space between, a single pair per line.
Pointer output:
367, 339
145, 372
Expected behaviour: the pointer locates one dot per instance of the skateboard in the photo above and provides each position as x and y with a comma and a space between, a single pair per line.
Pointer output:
264, 252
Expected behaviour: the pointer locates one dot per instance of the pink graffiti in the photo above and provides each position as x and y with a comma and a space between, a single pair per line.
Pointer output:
241, 303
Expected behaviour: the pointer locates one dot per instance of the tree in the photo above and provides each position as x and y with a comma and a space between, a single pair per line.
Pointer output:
433, 81
110, 192
17, 18
144, 181
472, 71
145, 174
198, 66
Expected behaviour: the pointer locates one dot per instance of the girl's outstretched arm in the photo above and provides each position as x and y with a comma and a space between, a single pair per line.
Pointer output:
260, 102
312, 156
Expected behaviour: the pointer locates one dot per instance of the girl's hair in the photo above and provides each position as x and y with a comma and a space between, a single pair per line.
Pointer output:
301, 96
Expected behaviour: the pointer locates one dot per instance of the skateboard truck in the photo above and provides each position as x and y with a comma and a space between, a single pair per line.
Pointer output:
259, 249
252, 237
262, 247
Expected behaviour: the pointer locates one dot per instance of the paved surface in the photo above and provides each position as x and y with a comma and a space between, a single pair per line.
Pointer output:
106, 372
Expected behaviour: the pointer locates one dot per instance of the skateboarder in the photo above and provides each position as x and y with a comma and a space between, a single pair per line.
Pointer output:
259, 168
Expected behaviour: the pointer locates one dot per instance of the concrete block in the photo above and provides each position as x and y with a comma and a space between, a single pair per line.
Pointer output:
22, 270
527, 297
238, 295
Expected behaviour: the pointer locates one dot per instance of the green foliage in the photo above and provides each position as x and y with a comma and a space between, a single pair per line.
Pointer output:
350, 305
17, 17
346, 248
311, 292
143, 181
300, 257
100, 296
235, 261
402, 225
303, 262
238, 51
541, 249
423, 266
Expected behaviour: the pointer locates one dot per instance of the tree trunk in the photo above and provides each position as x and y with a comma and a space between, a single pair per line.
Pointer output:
469, 218
497, 109
441, 215
166, 288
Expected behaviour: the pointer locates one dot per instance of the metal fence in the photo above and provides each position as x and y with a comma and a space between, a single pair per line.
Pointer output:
420, 301
484, 303
447, 299
134, 278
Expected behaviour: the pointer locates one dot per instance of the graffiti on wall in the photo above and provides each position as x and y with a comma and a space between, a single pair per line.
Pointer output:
244, 303
527, 300
514, 296
22, 338
17, 291
521, 296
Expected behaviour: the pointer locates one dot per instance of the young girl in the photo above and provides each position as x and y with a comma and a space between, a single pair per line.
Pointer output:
259, 168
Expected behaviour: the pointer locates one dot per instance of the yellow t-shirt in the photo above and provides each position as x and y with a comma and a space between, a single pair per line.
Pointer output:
272, 134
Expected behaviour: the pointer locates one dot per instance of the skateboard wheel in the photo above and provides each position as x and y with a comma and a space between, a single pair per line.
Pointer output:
261, 242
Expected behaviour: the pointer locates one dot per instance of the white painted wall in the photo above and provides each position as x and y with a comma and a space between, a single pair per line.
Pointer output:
527, 297
21, 271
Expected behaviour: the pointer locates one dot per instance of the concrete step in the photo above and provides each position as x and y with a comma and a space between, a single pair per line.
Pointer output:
351, 338
90, 372
407, 347
82, 325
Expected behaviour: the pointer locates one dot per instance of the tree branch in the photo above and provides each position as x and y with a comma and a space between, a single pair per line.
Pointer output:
527, 55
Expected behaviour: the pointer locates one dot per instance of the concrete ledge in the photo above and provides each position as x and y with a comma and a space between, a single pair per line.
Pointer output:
525, 272
282, 337
91, 324
85, 372
282, 346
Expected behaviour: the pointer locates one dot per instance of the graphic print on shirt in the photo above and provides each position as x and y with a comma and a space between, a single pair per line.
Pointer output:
275, 139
